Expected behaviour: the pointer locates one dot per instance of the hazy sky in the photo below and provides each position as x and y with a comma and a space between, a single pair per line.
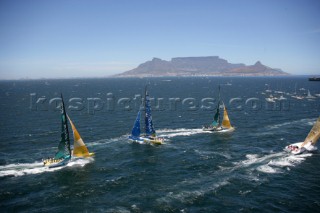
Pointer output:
92, 38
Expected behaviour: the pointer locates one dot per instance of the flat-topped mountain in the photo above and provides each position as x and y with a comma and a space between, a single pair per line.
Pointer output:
199, 66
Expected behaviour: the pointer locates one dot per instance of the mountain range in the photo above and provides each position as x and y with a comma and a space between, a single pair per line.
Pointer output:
199, 66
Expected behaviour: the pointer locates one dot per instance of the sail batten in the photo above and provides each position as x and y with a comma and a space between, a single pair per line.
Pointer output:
313, 135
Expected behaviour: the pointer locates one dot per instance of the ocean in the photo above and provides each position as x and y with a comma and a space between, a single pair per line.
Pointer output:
194, 171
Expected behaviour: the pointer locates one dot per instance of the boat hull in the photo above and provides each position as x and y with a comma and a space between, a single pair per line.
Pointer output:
218, 129
156, 140
314, 79
91, 154
50, 163
296, 148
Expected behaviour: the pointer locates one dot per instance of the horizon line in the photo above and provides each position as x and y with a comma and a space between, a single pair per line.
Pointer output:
191, 76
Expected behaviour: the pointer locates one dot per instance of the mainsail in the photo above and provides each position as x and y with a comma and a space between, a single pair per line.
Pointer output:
148, 118
216, 118
79, 148
226, 121
136, 127
313, 135
64, 145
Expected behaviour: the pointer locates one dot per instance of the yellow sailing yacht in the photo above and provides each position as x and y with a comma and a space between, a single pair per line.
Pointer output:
216, 126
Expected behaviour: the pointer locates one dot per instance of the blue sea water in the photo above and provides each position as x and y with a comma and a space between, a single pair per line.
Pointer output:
194, 171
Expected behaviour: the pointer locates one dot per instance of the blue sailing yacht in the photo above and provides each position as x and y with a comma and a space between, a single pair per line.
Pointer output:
150, 133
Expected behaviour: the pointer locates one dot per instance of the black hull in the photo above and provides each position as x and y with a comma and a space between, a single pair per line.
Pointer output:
314, 79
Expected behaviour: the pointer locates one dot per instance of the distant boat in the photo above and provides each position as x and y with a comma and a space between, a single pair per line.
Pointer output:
216, 126
314, 79
268, 90
308, 145
297, 97
309, 96
63, 156
150, 135
270, 99
282, 98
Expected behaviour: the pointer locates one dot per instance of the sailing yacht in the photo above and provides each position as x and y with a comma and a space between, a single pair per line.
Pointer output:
308, 145
150, 133
216, 126
65, 154
270, 99
295, 95
309, 96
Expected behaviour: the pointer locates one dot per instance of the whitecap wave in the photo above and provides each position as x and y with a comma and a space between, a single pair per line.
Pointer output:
209, 154
187, 196
253, 159
268, 169
305, 121
251, 167
272, 163
282, 162
107, 141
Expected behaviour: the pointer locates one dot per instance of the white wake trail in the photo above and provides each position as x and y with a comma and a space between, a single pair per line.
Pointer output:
37, 167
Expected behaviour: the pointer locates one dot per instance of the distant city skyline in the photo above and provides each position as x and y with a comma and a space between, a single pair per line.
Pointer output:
100, 38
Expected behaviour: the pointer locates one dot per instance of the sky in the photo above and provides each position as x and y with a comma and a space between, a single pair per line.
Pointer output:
99, 38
